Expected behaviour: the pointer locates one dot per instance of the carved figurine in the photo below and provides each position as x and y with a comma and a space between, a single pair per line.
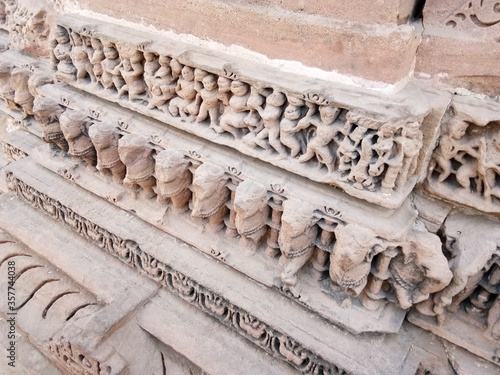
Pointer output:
361, 174
210, 195
210, 106
194, 108
61, 55
80, 57
186, 94
252, 213
271, 116
134, 83
173, 179
352, 255
297, 238
349, 148
450, 147
420, 270
319, 144
234, 117
22, 95
96, 59
411, 148
6, 90
163, 84
74, 125
151, 66
137, 155
105, 139
224, 85
474, 243
111, 78
47, 111
289, 136
389, 156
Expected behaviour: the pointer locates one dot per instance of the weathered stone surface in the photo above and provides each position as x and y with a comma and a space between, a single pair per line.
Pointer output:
457, 33
316, 41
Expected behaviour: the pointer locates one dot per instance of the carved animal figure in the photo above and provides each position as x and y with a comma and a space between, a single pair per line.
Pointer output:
352, 255
297, 237
74, 125
137, 155
210, 195
173, 179
105, 139
474, 243
251, 214
47, 111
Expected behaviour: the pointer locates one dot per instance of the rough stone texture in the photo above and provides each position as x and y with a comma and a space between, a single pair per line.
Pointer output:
315, 41
457, 35
173, 208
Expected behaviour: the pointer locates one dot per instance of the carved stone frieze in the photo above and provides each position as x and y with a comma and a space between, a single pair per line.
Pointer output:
73, 359
12, 153
366, 152
465, 166
270, 339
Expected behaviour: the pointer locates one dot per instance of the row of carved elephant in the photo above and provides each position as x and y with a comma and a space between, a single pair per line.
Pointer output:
415, 268
369, 154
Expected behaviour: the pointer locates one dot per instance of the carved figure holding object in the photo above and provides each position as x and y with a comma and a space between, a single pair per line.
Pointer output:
74, 125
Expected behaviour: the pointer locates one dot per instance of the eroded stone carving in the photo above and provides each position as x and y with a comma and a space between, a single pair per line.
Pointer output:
173, 179
361, 152
297, 237
75, 360
474, 244
352, 255
273, 341
61, 58
252, 213
47, 112
466, 164
210, 195
482, 13
105, 139
137, 155
75, 125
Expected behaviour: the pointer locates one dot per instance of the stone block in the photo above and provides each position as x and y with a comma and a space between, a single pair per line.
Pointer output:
312, 40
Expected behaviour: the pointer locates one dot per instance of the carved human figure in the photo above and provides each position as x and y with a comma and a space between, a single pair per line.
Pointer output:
47, 111
80, 57
350, 147
352, 255
210, 104
489, 166
186, 94
194, 107
111, 78
137, 155
22, 95
210, 195
6, 90
389, 156
151, 66
291, 138
234, 117
133, 77
412, 143
173, 179
420, 270
74, 125
297, 238
176, 68
163, 84
105, 139
96, 58
474, 244
450, 147
360, 174
224, 85
251, 214
61, 55
271, 116
326, 131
